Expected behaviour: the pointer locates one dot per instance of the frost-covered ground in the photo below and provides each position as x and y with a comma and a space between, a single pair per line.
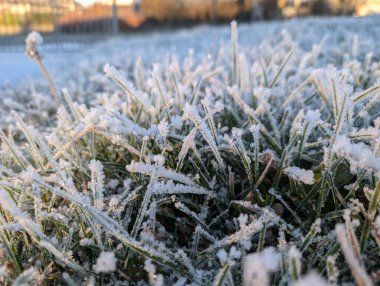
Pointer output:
63, 59
211, 156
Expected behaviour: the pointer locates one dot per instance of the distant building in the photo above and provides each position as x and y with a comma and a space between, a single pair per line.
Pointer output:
23, 15
367, 7
209, 10
292, 8
21, 7
98, 17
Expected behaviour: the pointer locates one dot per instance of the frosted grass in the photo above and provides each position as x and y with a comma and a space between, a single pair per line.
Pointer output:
250, 164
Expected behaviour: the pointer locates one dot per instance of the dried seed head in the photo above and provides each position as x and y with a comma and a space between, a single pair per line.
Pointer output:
33, 40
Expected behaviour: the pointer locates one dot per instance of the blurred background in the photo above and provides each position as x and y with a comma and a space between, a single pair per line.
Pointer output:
105, 16
74, 30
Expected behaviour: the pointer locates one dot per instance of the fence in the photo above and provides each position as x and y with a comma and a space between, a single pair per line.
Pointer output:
94, 16
18, 16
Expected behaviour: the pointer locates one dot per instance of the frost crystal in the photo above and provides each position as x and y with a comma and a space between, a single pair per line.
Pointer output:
106, 262
3, 271
360, 156
257, 267
163, 128
34, 38
302, 175
312, 279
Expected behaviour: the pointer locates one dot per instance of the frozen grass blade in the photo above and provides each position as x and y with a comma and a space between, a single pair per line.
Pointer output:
33, 40
221, 166
357, 270
273, 82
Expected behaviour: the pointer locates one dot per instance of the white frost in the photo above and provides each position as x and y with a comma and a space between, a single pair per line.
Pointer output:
34, 38
359, 155
258, 266
312, 279
301, 175
106, 262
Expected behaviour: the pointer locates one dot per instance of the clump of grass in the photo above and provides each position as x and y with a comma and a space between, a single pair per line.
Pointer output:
197, 173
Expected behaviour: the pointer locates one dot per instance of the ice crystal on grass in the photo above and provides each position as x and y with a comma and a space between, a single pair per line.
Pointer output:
33, 40
97, 183
359, 155
298, 174
258, 266
311, 279
246, 165
106, 262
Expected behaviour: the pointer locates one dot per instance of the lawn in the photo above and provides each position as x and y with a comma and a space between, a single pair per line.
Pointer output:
232, 155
